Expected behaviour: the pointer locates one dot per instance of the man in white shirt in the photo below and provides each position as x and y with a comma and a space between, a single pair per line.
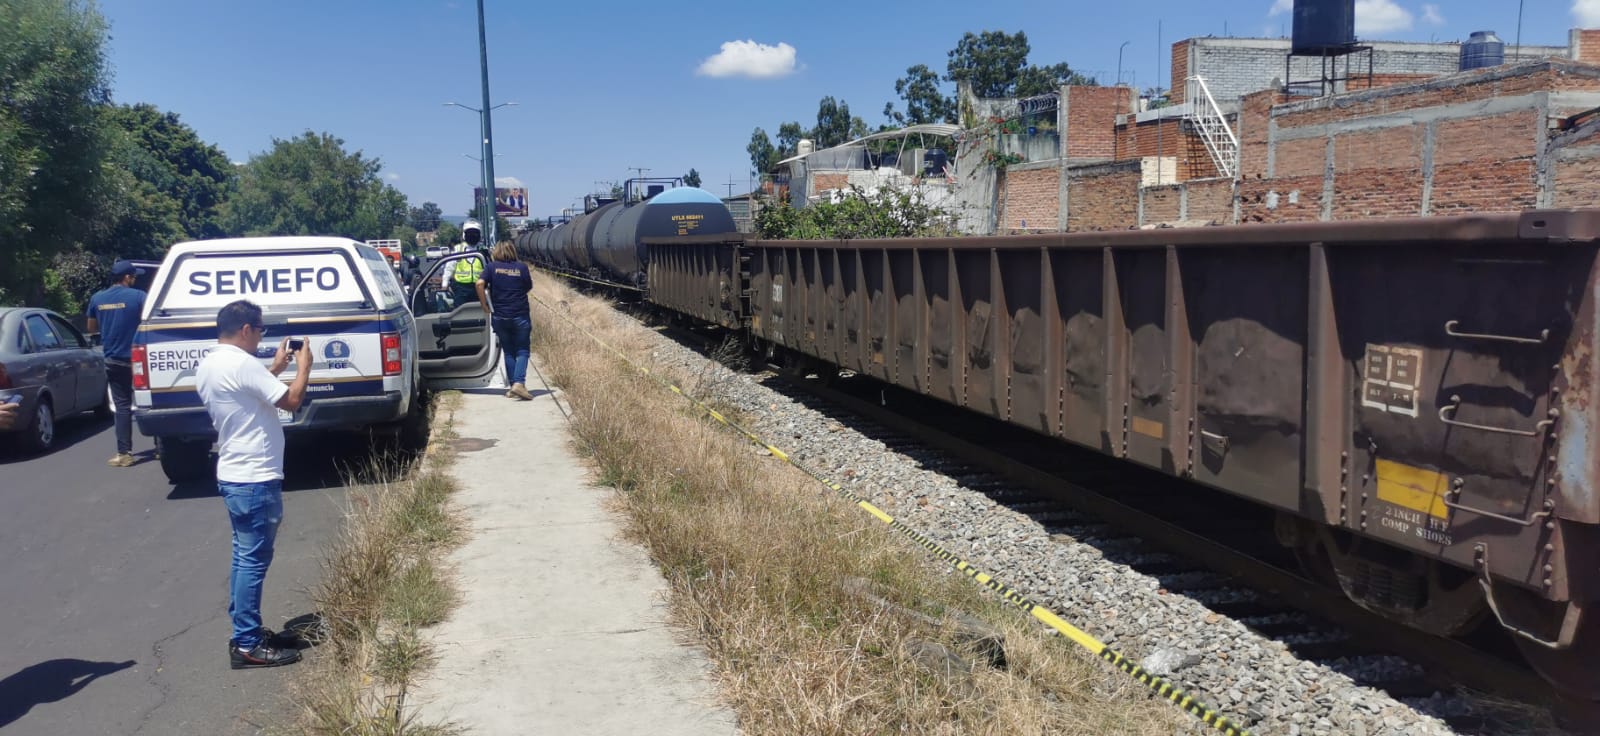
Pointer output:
243, 398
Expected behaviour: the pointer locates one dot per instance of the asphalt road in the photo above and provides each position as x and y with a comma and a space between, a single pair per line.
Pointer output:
115, 604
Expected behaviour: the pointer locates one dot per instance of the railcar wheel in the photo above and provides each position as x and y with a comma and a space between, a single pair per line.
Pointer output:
1570, 670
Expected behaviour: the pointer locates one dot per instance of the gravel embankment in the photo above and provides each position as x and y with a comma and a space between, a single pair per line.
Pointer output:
1254, 680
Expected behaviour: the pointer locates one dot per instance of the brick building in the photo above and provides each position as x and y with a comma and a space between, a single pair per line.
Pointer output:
1419, 142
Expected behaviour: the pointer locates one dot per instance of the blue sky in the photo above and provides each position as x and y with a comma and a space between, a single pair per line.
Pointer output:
605, 86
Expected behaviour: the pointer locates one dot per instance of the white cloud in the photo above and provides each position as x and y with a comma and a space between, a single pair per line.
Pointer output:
1279, 7
750, 59
1381, 16
1431, 15
1586, 13
392, 177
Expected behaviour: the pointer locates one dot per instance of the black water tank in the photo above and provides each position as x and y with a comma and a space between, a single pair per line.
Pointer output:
1482, 50
1323, 25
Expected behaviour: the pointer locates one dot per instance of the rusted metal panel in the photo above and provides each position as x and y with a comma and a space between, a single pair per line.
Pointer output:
976, 363
1032, 401
1247, 311
1459, 352
830, 302
1180, 399
808, 299
1053, 406
1116, 350
877, 334
854, 304
915, 327
1577, 471
1329, 409
939, 334
1141, 276
1078, 284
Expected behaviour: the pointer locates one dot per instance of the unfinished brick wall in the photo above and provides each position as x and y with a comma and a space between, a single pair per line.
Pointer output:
1180, 72
1161, 204
1030, 200
1478, 167
1584, 45
1467, 143
1377, 173
821, 182
1092, 120
1103, 197
1384, 80
1210, 199
1166, 138
1255, 111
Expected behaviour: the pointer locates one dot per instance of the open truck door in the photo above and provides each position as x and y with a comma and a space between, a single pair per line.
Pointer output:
455, 346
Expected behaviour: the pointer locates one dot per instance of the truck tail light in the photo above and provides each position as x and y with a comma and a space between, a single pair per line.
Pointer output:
141, 376
391, 353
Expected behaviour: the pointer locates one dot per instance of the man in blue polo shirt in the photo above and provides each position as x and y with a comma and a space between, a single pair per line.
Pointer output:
115, 314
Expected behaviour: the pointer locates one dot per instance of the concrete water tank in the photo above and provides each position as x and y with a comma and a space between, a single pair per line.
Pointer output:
1482, 50
1323, 25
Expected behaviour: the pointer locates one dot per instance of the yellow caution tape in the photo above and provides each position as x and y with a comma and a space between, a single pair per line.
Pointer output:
1156, 683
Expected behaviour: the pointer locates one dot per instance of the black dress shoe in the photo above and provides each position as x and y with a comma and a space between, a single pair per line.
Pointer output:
263, 655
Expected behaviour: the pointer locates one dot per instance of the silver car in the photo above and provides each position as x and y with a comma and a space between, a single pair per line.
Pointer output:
48, 366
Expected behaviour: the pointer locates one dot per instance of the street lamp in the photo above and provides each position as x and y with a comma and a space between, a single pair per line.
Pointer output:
487, 172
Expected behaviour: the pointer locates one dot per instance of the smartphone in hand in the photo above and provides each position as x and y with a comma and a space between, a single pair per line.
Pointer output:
295, 344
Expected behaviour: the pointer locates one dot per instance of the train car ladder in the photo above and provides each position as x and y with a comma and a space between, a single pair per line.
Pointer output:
1208, 120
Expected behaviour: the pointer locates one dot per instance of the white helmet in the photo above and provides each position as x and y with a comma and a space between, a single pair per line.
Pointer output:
472, 232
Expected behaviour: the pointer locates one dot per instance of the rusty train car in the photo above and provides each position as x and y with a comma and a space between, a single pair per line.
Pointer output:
1416, 398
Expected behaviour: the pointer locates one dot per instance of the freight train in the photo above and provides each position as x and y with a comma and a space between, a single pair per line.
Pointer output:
1417, 399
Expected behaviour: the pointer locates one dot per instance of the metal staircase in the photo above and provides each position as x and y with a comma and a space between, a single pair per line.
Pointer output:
1212, 126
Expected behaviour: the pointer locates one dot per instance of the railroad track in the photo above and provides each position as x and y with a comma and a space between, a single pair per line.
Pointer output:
1198, 542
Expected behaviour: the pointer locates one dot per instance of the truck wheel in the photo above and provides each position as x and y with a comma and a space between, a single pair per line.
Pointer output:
184, 460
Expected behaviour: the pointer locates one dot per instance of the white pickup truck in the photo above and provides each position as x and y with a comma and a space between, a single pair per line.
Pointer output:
373, 353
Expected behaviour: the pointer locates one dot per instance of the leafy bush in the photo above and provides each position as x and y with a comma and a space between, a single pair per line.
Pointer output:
885, 213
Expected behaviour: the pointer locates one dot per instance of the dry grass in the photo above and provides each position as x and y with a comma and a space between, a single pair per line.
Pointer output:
380, 584
760, 558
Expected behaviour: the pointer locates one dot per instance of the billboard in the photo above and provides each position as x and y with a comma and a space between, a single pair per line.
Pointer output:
508, 201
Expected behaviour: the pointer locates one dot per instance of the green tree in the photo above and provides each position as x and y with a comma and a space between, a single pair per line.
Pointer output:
925, 100
53, 83
990, 61
502, 229
309, 185
170, 185
789, 135
425, 218
995, 63
1038, 80
763, 155
833, 123
447, 235
407, 235
691, 179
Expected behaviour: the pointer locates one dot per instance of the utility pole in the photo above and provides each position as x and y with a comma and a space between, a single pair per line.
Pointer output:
488, 134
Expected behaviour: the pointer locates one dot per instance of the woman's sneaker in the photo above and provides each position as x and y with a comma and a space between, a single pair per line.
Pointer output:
263, 654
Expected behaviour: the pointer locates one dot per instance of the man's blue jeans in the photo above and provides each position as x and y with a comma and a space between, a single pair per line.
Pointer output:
515, 335
255, 510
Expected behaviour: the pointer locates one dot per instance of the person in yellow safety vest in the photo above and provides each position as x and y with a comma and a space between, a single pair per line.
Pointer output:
464, 277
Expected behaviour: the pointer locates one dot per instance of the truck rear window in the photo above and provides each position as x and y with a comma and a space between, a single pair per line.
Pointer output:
272, 279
